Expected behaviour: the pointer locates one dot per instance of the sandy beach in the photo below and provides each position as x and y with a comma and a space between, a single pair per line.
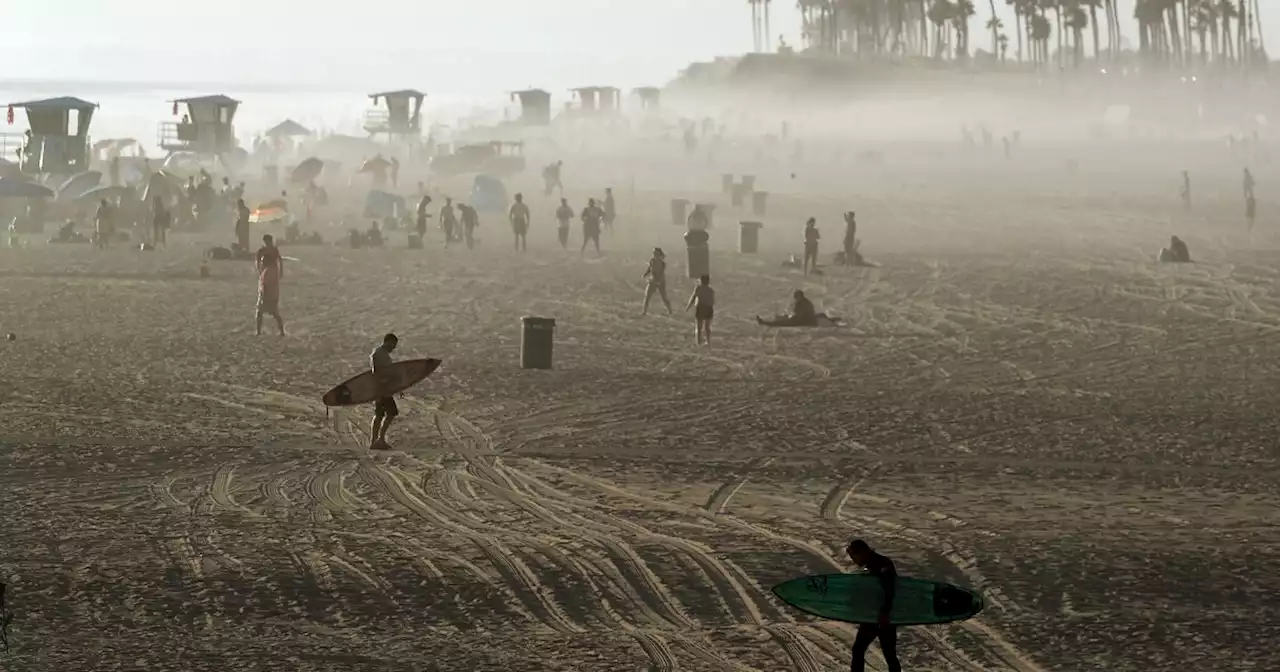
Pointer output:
1023, 402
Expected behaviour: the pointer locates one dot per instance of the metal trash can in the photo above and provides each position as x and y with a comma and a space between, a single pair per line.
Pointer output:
748, 183
740, 192
679, 211
710, 210
698, 253
759, 202
537, 338
749, 237
726, 183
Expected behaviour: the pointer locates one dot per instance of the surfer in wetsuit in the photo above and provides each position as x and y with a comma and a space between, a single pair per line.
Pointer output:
270, 267
384, 409
877, 565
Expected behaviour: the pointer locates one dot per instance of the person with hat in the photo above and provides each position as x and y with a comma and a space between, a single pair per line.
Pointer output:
656, 274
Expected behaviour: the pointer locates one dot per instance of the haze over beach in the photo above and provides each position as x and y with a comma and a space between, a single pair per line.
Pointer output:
1011, 320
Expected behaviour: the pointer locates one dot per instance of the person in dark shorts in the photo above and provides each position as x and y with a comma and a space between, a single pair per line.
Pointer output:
703, 302
878, 565
802, 314
591, 217
384, 409
519, 217
564, 215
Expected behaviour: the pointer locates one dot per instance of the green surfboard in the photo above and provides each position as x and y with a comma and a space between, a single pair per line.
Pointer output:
856, 598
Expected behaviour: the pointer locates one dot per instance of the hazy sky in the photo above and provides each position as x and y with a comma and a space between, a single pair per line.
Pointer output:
442, 44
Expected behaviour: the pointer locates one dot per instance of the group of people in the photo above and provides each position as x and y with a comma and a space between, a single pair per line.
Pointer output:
594, 216
458, 221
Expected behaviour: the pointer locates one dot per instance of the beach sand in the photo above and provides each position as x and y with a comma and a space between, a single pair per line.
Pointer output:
1023, 402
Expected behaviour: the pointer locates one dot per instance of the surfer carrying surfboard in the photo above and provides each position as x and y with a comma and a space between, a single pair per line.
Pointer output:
384, 409
880, 566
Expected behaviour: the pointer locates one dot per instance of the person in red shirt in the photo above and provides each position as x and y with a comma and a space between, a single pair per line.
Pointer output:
270, 267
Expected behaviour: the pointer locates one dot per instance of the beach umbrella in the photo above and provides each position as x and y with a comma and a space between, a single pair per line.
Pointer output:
307, 171
104, 191
375, 164
77, 184
16, 188
287, 128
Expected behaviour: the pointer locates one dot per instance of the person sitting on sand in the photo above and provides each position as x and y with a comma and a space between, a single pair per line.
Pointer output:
384, 409
373, 237
802, 314
270, 267
564, 215
519, 217
1177, 252
703, 302
656, 274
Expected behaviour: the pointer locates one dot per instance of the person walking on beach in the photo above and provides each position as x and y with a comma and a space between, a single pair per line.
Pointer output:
811, 238
703, 302
1251, 211
104, 225
656, 274
270, 267
551, 178
1185, 191
519, 217
591, 216
161, 220
448, 221
881, 567
470, 220
1248, 184
384, 409
564, 215
422, 216
610, 209
242, 226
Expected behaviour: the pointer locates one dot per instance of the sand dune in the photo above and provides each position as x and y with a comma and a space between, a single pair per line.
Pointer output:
1022, 403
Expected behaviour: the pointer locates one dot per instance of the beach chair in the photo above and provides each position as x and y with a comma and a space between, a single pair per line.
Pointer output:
5, 619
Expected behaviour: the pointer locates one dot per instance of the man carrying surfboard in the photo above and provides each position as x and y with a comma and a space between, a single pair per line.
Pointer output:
878, 565
384, 409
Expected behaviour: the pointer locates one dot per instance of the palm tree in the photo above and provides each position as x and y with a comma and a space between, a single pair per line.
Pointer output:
1077, 20
1004, 47
995, 25
1093, 23
940, 15
961, 12
1038, 33
1226, 12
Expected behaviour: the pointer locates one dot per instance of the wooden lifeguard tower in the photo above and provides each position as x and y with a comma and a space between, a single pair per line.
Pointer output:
207, 127
401, 120
57, 137
535, 106
598, 99
650, 97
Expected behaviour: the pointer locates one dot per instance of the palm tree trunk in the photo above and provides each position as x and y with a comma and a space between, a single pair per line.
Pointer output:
768, 36
1093, 23
1017, 25
1262, 42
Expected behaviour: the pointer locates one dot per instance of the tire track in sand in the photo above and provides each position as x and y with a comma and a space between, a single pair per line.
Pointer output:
719, 500
220, 490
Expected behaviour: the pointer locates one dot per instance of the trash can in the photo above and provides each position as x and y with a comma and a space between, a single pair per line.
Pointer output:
749, 237
710, 209
748, 183
537, 338
726, 183
759, 202
698, 253
739, 195
679, 211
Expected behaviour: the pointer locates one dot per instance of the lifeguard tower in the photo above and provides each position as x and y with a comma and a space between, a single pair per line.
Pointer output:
598, 99
57, 139
401, 120
207, 127
535, 106
650, 97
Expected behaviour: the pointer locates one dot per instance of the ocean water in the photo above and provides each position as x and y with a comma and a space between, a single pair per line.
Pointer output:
136, 110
